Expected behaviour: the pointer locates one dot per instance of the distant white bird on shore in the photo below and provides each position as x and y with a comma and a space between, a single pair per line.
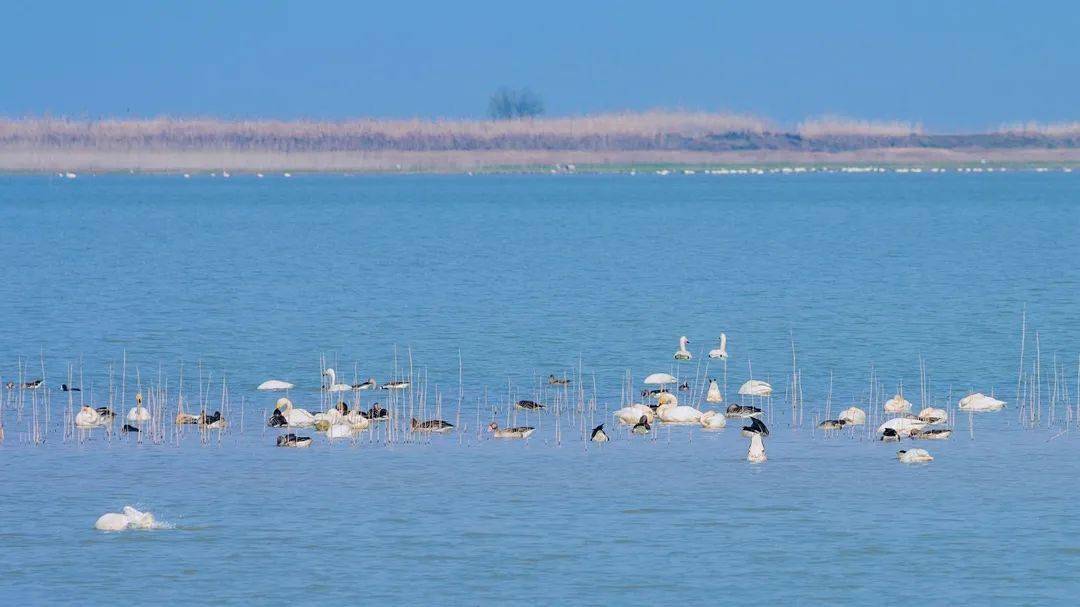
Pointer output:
683, 353
720, 352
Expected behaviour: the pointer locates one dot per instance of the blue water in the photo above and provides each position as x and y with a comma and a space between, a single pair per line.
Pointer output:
505, 279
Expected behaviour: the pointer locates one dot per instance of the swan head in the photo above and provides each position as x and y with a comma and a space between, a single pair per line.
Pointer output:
283, 404
683, 341
138, 398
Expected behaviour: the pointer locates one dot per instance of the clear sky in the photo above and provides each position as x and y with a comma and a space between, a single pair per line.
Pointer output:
953, 65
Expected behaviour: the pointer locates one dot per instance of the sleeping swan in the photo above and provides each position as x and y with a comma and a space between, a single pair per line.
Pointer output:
914, 456
853, 416
631, 414
711, 420
980, 403
677, 414
756, 387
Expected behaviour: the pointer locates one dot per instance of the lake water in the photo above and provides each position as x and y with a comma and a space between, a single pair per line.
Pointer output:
499, 281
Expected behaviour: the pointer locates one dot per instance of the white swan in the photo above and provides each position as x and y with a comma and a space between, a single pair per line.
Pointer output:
720, 352
897, 404
714, 396
88, 418
339, 430
756, 452
138, 413
660, 379
295, 418
357, 420
979, 403
631, 414
755, 387
853, 416
914, 456
931, 415
902, 425
130, 518
712, 420
683, 353
677, 414
334, 386
274, 385
667, 398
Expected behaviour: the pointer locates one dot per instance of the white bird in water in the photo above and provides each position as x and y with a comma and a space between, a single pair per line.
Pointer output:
517, 432
88, 418
273, 385
720, 352
293, 417
711, 420
333, 385
598, 435
677, 414
683, 353
756, 452
931, 415
914, 456
631, 414
138, 413
755, 387
130, 518
902, 425
981, 403
853, 416
897, 404
713, 395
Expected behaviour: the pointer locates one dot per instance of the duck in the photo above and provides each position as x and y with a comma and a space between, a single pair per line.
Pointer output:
756, 452
713, 395
357, 420
642, 426
333, 385
556, 381
756, 427
294, 441
370, 384
853, 416
684, 387
335, 414
431, 425
598, 435
914, 456
395, 385
516, 432
138, 413
743, 411
129, 518
128, 428
902, 425
106, 413
10, 385
277, 420
67, 388
890, 435
931, 415
931, 433
897, 404
720, 352
981, 403
755, 387
377, 413
87, 418
630, 414
712, 420
671, 413
32, 385
186, 418
294, 418
654, 393
682, 353
528, 405
832, 424
274, 385
212, 421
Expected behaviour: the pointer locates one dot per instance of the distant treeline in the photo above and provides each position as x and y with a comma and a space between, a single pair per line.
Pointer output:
658, 130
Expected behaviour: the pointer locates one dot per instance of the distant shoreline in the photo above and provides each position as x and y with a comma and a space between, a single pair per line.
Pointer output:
598, 143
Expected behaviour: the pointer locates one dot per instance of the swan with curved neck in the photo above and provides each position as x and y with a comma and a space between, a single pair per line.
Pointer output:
720, 352
294, 417
683, 353
334, 386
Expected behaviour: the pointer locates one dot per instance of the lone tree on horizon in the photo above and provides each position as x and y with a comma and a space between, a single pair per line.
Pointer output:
508, 104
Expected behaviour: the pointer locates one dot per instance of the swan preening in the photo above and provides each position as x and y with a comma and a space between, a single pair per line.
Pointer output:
853, 416
682, 353
129, 518
980, 403
755, 387
88, 418
720, 352
914, 456
713, 395
633, 413
274, 385
516, 432
897, 404
712, 420
287, 415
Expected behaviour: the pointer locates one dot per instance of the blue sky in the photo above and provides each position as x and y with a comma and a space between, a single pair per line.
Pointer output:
959, 65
